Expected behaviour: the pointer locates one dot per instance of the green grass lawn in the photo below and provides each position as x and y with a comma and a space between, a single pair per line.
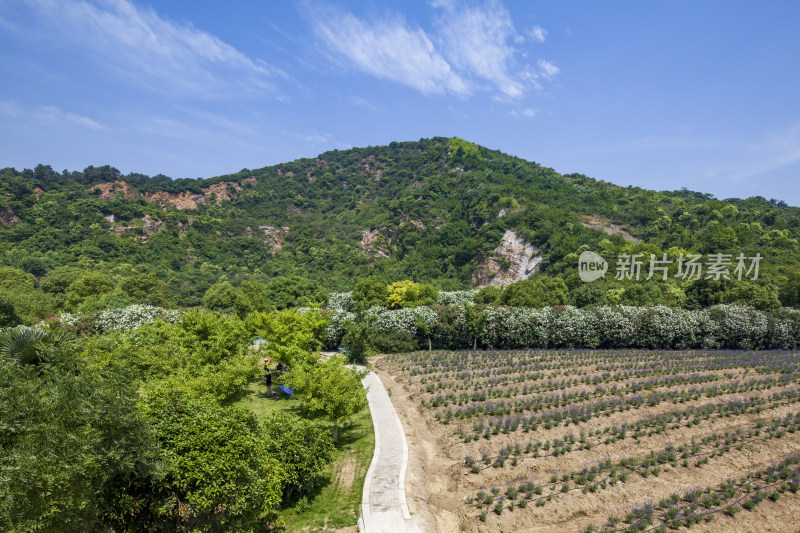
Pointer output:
336, 504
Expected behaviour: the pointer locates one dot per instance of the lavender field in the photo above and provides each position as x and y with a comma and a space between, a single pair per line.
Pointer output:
612, 440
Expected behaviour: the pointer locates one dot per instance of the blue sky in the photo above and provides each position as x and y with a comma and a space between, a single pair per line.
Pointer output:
658, 94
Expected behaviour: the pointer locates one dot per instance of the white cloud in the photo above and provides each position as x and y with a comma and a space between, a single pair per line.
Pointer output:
472, 48
757, 159
475, 39
527, 113
547, 69
138, 44
389, 49
48, 115
313, 138
537, 33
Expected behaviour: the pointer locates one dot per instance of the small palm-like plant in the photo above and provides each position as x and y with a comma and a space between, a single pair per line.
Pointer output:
25, 345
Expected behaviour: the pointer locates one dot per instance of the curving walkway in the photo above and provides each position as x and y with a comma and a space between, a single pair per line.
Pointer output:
383, 504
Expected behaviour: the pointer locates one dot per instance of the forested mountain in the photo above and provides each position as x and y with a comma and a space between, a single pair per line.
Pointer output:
434, 211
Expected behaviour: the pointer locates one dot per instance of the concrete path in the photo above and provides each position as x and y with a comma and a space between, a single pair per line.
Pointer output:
383, 504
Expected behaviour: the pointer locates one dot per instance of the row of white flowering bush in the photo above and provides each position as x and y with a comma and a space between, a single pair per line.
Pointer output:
120, 319
462, 326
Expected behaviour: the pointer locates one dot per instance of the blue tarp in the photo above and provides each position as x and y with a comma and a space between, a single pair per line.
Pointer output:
286, 389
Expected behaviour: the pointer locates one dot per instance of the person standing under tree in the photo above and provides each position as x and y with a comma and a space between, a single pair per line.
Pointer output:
268, 377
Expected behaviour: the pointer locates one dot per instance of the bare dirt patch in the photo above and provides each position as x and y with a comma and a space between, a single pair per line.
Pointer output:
345, 476
438, 483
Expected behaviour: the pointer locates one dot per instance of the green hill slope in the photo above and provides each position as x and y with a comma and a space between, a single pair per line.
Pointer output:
436, 211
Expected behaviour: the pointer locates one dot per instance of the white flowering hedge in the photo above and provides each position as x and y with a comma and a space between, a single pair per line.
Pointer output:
461, 326
121, 319
456, 297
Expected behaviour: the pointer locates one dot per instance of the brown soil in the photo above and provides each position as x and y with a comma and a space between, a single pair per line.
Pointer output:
346, 474
437, 482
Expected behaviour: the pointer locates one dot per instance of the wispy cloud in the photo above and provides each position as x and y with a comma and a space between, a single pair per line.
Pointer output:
476, 41
527, 113
388, 48
139, 45
48, 115
471, 49
759, 158
537, 33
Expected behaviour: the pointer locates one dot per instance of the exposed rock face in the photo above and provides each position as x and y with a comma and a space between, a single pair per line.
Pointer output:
274, 236
150, 226
110, 189
182, 201
370, 167
608, 227
371, 245
38, 192
7, 217
513, 260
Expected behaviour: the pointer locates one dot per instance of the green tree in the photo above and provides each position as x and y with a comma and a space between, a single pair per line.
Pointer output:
256, 294
541, 291
489, 295
284, 292
753, 295
73, 443
356, 340
8, 315
144, 288
790, 292
329, 387
221, 295
369, 292
11, 277
88, 284
302, 449
218, 474
410, 294
25, 345
290, 334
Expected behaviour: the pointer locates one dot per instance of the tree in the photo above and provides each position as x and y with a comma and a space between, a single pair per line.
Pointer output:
329, 387
8, 315
256, 294
221, 295
409, 294
356, 340
491, 294
369, 292
753, 295
540, 291
302, 449
88, 284
291, 334
293, 291
790, 292
218, 473
144, 288
72, 444
14, 277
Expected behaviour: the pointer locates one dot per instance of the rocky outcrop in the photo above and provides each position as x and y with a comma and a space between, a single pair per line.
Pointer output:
7, 217
513, 260
148, 227
274, 236
183, 201
373, 244
221, 191
610, 228
110, 189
